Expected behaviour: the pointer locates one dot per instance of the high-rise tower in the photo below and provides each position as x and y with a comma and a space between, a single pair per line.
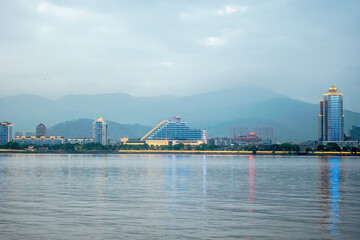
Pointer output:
331, 118
5, 132
100, 131
41, 130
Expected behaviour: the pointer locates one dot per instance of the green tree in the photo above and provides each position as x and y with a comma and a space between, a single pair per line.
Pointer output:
253, 149
333, 147
346, 149
275, 147
286, 146
179, 146
320, 148
12, 145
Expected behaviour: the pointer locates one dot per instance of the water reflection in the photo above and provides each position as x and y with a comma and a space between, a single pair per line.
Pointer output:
204, 184
251, 182
330, 194
334, 195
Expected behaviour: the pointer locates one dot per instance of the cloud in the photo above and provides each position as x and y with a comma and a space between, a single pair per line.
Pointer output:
45, 29
232, 9
48, 8
167, 64
214, 41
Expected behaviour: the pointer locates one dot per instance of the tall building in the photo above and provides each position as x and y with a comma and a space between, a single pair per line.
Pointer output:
238, 131
175, 130
265, 133
331, 118
41, 130
100, 131
29, 134
5, 132
18, 134
355, 133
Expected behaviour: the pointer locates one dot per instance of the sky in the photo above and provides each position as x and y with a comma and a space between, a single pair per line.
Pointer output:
298, 48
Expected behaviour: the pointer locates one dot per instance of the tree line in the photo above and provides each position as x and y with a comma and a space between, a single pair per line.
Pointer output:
69, 147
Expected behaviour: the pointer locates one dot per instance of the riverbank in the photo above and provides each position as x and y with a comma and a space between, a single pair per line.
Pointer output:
181, 152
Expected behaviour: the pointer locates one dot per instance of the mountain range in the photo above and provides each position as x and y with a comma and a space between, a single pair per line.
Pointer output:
293, 120
82, 128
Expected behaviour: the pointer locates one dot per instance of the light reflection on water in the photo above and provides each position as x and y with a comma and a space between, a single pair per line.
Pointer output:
334, 195
330, 193
251, 181
177, 196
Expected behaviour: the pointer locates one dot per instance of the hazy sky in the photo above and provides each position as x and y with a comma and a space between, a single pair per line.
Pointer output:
295, 47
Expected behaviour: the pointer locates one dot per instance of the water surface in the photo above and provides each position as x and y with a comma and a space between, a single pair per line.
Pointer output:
178, 197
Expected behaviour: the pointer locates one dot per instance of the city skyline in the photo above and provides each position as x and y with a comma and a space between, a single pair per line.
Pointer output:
182, 119
52, 48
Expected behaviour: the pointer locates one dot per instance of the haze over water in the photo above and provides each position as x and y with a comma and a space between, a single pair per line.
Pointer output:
167, 196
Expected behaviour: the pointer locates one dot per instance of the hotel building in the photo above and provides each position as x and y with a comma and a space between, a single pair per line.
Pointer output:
175, 131
331, 118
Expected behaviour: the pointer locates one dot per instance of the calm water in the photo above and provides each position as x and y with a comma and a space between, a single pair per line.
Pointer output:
184, 197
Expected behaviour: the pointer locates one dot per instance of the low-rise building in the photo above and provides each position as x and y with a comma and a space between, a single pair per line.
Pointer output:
308, 145
80, 141
342, 144
250, 139
220, 141
33, 140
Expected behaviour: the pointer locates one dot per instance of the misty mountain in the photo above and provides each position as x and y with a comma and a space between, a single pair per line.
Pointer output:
82, 128
292, 120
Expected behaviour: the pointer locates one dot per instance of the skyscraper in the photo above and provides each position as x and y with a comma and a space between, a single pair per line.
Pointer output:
41, 130
100, 131
5, 132
331, 118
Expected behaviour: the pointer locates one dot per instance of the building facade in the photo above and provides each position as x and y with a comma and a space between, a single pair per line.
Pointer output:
38, 140
238, 131
80, 141
41, 130
18, 134
175, 130
355, 133
265, 133
100, 131
250, 139
5, 132
331, 118
29, 134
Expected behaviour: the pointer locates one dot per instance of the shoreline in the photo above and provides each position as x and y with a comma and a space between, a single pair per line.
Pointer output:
186, 152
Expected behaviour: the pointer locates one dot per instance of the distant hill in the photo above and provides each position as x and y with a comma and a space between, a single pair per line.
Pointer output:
292, 120
82, 128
